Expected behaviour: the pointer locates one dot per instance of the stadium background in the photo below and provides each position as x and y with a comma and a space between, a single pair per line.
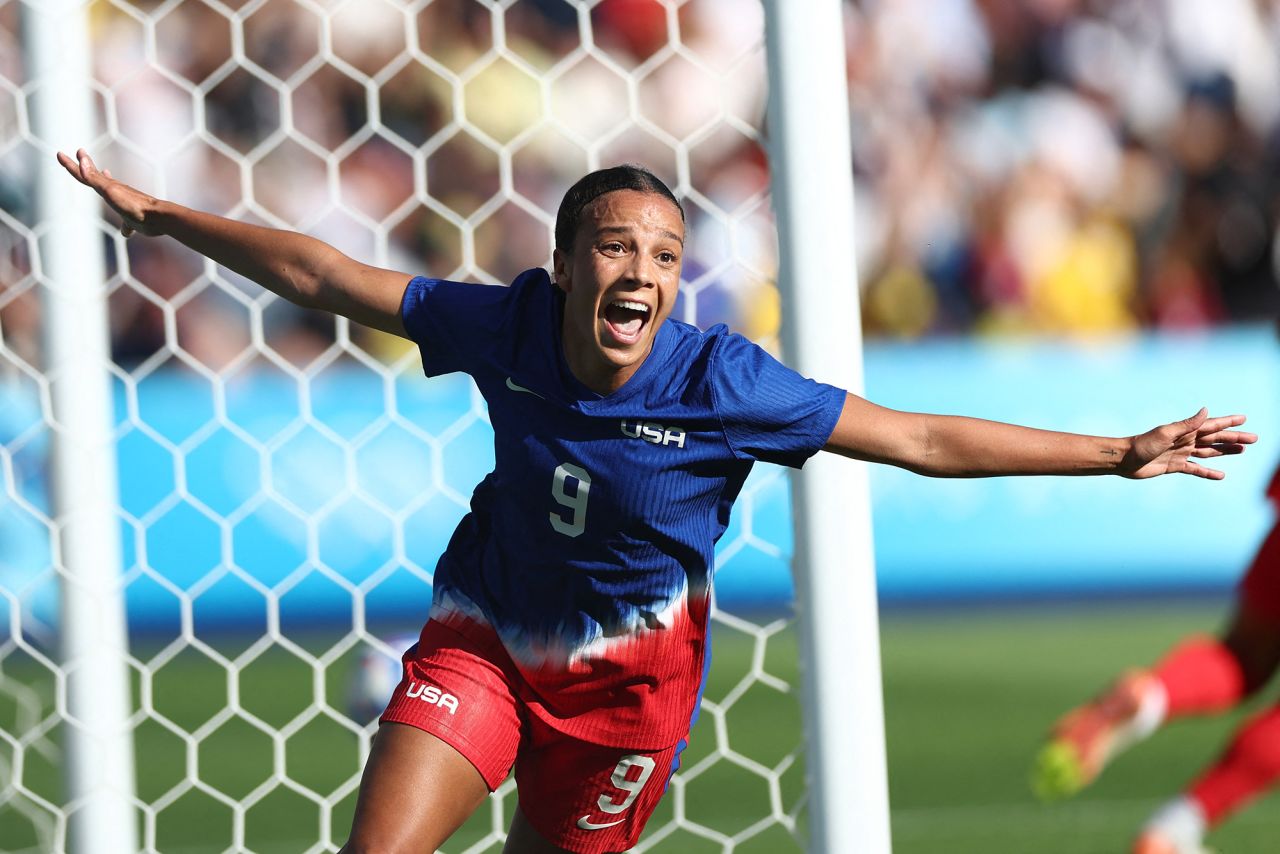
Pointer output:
1068, 214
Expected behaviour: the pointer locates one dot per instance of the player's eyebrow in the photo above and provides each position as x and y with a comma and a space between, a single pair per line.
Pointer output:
626, 229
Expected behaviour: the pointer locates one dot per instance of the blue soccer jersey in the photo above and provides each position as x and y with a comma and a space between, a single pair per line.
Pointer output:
589, 548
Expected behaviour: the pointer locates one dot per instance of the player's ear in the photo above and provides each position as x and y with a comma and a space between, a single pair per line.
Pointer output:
562, 266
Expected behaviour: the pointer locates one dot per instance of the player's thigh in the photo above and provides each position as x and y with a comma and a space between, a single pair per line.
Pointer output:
449, 736
582, 797
415, 792
1254, 633
1254, 639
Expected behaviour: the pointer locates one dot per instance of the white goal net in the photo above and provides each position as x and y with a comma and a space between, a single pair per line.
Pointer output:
288, 480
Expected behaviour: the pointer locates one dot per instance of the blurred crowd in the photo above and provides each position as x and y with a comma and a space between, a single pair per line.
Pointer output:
1065, 167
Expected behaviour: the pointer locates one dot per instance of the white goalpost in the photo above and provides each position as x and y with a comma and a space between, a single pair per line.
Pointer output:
835, 569
256, 528
93, 695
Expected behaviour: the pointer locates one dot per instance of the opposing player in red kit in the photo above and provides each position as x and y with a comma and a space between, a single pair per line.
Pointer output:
567, 633
1202, 675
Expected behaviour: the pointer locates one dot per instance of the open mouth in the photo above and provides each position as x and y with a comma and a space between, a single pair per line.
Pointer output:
626, 319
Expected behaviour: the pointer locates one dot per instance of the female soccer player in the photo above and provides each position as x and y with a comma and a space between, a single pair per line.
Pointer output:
567, 631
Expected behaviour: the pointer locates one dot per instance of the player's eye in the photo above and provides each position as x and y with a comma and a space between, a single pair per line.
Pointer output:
613, 247
666, 257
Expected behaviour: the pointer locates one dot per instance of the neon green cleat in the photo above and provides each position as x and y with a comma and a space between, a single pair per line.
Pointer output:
1085, 739
1057, 773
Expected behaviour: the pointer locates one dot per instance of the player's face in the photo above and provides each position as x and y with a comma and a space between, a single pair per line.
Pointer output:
620, 283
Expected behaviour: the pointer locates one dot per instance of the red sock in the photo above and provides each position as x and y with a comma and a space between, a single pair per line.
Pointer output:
1250, 765
1200, 676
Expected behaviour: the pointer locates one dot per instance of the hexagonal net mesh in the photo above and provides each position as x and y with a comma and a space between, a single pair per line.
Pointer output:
287, 479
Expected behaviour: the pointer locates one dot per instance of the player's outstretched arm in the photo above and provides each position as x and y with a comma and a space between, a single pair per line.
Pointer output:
301, 269
953, 446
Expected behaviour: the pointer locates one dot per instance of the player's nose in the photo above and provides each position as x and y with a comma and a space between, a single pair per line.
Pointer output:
642, 271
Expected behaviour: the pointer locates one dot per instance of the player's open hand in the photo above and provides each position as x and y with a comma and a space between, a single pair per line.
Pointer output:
132, 205
1174, 448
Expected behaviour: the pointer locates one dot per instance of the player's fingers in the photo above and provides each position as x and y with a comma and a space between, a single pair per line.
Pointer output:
1221, 422
1235, 437
88, 169
1219, 450
72, 166
1195, 422
1202, 471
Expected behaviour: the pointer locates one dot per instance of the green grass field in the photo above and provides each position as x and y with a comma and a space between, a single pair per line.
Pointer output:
968, 694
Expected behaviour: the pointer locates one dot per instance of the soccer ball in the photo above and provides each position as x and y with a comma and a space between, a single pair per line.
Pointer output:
372, 680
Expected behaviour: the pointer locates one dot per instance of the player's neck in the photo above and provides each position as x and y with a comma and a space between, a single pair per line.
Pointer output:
595, 370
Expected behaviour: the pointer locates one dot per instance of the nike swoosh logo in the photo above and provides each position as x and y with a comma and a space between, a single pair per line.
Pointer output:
587, 824
511, 385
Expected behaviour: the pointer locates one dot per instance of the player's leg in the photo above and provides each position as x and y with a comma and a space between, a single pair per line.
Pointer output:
1178, 827
415, 792
1251, 763
1202, 675
448, 737
1208, 675
1254, 635
1085, 739
1250, 766
582, 797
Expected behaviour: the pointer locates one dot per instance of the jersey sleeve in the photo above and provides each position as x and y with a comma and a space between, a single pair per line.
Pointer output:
768, 411
455, 324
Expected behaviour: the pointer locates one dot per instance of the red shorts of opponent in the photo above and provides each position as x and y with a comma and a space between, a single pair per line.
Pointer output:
580, 796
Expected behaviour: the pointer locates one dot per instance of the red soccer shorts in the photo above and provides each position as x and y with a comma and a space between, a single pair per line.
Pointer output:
580, 796
1260, 589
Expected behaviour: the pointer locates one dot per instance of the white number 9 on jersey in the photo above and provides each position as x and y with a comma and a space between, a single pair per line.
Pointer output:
631, 787
575, 502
